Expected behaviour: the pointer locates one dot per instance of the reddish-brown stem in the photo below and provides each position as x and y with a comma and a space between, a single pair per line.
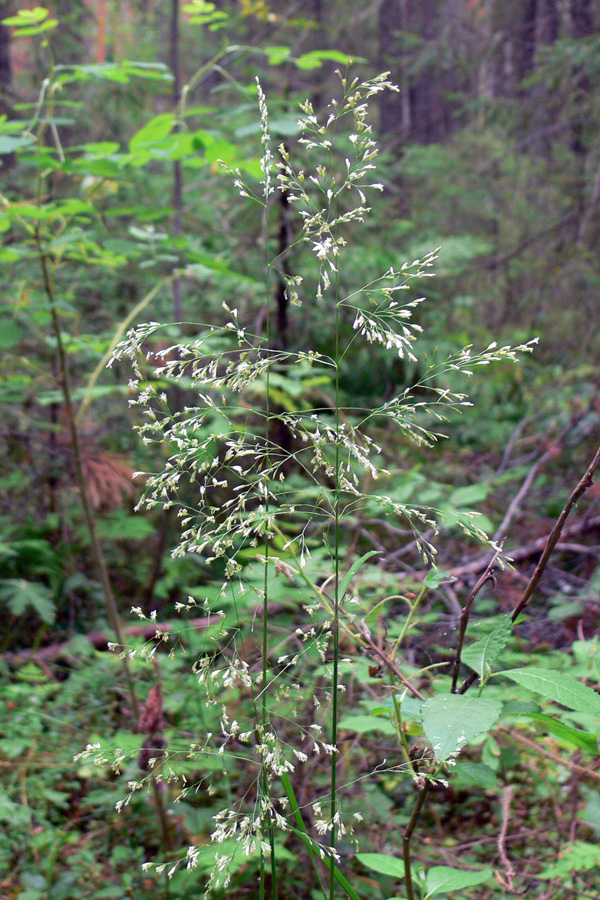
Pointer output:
586, 482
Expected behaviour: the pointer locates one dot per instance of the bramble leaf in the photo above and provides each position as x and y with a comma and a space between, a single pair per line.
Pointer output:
482, 655
557, 686
450, 721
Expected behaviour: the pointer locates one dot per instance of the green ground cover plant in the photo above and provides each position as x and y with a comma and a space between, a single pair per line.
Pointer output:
291, 730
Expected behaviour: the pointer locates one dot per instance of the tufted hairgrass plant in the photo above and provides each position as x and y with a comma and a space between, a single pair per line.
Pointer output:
261, 510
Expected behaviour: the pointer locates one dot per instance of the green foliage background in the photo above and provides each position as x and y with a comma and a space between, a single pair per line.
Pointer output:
508, 192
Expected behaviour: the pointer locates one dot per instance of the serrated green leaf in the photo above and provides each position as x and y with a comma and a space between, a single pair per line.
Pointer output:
444, 879
576, 857
482, 655
574, 736
32, 674
557, 686
450, 721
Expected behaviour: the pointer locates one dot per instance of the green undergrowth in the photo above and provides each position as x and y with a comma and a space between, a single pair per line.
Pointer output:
311, 699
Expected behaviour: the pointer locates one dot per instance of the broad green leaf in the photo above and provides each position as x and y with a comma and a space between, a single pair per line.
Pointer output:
10, 333
27, 17
284, 126
352, 572
9, 143
9, 255
435, 577
385, 865
557, 686
482, 655
7, 124
520, 708
156, 71
315, 58
204, 266
101, 149
469, 495
574, 736
30, 30
30, 21
155, 130
119, 73
450, 721
19, 595
30, 211
411, 707
444, 879
276, 55
591, 813
472, 773
203, 13
362, 724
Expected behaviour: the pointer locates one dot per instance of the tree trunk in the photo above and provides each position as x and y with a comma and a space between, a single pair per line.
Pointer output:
394, 109
524, 39
548, 21
429, 109
7, 160
582, 18
582, 26
177, 169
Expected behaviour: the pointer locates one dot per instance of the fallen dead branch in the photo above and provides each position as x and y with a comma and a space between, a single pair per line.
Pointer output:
526, 550
100, 639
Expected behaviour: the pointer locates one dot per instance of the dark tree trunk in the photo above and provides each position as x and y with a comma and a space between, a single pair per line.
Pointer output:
582, 18
7, 160
539, 103
582, 26
516, 21
177, 169
394, 109
525, 40
427, 105
432, 72
548, 21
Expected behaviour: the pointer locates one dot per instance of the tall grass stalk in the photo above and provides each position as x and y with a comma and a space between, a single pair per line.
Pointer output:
258, 512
